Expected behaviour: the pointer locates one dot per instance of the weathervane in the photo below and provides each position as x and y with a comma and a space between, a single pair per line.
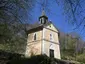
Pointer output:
44, 4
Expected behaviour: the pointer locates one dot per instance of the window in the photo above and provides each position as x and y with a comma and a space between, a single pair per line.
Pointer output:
51, 37
51, 53
41, 21
34, 36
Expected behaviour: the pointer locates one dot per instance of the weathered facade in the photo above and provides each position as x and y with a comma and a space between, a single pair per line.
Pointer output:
43, 39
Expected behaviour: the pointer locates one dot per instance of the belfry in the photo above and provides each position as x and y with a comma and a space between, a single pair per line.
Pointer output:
43, 38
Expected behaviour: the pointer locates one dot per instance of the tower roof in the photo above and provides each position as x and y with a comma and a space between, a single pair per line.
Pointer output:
43, 13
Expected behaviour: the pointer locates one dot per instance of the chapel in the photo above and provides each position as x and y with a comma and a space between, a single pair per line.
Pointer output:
43, 38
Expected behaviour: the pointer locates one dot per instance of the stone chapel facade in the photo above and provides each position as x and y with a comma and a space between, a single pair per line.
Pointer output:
43, 38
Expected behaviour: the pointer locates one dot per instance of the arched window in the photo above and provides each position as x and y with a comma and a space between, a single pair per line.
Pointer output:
34, 36
41, 20
51, 37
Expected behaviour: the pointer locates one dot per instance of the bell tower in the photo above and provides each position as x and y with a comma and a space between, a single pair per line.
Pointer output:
43, 19
43, 38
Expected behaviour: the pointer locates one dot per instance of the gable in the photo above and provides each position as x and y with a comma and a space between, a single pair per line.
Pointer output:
52, 27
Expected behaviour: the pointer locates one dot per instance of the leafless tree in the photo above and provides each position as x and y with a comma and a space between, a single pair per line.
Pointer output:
14, 14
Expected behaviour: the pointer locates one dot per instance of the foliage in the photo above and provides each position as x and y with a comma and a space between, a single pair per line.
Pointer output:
71, 47
38, 59
13, 16
81, 58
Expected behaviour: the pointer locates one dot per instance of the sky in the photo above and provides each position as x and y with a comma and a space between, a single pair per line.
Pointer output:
56, 16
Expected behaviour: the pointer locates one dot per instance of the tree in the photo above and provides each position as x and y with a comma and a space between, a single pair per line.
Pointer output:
71, 46
73, 11
81, 58
13, 16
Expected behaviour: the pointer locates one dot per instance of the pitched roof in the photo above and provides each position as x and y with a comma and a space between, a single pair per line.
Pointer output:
36, 25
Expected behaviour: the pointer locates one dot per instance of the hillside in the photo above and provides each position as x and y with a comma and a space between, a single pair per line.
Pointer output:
14, 58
